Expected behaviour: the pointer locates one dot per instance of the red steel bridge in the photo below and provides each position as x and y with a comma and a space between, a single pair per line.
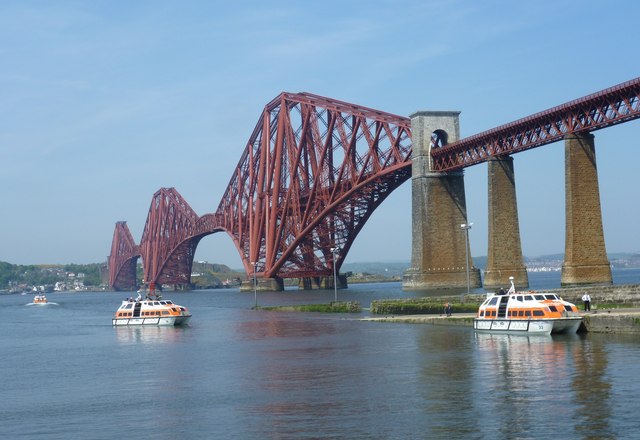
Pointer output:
313, 172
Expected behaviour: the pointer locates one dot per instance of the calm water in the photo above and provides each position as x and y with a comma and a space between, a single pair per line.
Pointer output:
237, 373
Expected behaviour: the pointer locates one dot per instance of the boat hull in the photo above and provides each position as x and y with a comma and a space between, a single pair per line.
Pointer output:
168, 321
529, 326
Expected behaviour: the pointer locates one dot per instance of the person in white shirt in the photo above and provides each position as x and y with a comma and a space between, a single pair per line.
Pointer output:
586, 299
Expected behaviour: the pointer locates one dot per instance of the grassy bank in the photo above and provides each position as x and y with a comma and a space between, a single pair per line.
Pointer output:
332, 307
419, 306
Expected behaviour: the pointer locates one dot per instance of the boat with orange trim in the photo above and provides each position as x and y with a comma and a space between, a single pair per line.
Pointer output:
153, 310
39, 299
526, 313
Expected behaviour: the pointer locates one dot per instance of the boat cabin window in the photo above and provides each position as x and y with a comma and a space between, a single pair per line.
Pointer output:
527, 313
168, 302
156, 303
128, 306
539, 297
553, 308
551, 296
521, 313
528, 298
519, 298
569, 308
538, 313
493, 301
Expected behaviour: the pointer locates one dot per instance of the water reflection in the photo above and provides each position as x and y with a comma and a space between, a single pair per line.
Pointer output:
149, 334
525, 379
450, 411
592, 390
294, 374
277, 325
515, 369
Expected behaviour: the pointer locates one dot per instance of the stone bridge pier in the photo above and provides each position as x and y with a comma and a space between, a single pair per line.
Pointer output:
323, 283
585, 255
504, 253
440, 248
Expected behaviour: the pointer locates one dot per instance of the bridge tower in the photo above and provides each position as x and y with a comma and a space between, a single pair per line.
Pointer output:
439, 245
585, 255
504, 254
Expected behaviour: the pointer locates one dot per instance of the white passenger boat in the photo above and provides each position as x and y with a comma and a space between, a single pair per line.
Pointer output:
526, 313
39, 299
153, 310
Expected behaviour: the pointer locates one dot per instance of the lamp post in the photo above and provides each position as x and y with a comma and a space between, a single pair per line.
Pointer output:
335, 280
466, 227
255, 289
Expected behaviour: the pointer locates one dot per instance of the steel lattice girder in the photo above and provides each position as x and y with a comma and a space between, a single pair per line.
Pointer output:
312, 173
608, 107
123, 258
169, 239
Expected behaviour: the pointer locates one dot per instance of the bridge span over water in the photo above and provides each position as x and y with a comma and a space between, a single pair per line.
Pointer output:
314, 170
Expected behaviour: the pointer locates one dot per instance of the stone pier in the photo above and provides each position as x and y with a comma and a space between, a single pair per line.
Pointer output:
263, 285
319, 283
439, 252
504, 254
585, 255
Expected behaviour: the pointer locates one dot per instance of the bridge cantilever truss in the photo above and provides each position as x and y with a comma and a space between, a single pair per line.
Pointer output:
171, 234
313, 172
123, 259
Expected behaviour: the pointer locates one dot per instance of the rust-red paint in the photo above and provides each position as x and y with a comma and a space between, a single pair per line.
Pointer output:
313, 172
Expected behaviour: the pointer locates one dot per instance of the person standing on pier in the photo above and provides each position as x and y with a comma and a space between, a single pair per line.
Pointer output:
586, 299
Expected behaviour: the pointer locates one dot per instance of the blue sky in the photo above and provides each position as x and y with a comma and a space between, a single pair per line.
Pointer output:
104, 102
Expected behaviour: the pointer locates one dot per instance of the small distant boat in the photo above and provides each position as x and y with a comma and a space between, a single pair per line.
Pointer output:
514, 312
153, 310
40, 299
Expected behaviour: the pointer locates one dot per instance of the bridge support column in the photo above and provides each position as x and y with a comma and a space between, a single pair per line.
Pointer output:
504, 255
438, 257
585, 255
322, 283
263, 285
